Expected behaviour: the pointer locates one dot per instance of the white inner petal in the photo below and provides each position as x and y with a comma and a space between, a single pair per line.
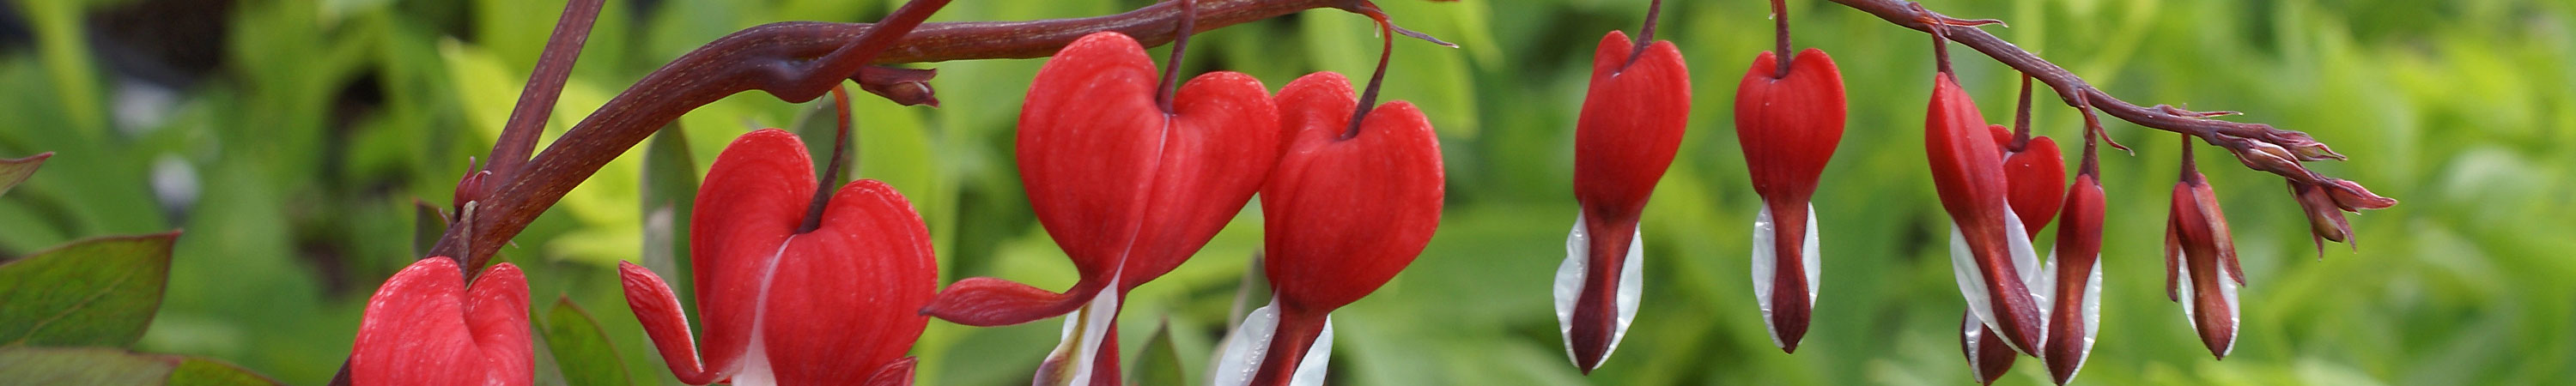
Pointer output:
1766, 266
754, 368
1245, 347
1631, 283
1569, 282
1570, 277
2227, 290
1076, 352
1310, 371
2092, 318
1972, 336
1972, 284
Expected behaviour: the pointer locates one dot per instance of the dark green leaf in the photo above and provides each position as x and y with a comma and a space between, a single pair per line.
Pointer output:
95, 292
581, 351
194, 371
83, 366
1160, 363
670, 187
14, 171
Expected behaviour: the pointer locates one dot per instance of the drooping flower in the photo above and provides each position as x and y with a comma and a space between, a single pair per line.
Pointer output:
1344, 211
1990, 252
2074, 277
2201, 271
426, 326
782, 302
2033, 177
1788, 125
1631, 124
1128, 189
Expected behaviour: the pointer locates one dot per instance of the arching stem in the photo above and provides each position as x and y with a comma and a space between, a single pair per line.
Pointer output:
831, 177
1172, 68
1780, 19
2021, 118
1368, 95
1646, 34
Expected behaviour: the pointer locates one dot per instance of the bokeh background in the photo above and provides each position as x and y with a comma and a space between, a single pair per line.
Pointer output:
291, 138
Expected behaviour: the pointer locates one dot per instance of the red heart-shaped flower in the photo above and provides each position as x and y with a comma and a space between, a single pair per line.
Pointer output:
1343, 214
1788, 126
1129, 190
1632, 121
425, 326
837, 304
2036, 179
1989, 249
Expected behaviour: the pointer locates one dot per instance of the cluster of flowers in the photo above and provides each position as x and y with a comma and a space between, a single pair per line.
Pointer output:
1130, 183
2000, 186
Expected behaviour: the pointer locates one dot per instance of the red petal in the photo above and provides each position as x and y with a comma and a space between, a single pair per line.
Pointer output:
426, 327
1632, 122
1988, 357
755, 195
663, 320
1789, 127
1345, 215
1126, 188
1967, 171
2079, 249
844, 299
2036, 179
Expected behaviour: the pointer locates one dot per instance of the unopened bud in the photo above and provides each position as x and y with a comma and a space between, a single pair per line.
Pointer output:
2307, 148
2269, 157
2352, 197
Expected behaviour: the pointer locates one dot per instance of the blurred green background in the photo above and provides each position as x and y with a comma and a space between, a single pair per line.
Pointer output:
290, 138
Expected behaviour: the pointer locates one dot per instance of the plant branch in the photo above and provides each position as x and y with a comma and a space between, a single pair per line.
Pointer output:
545, 84
797, 62
2076, 92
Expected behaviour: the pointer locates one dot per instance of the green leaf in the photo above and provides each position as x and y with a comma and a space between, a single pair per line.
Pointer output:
670, 189
581, 351
96, 292
195, 371
83, 366
108, 366
14, 171
1160, 363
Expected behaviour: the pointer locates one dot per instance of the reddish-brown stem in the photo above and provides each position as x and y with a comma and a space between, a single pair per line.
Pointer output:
2092, 164
831, 177
2076, 92
2190, 166
762, 58
1172, 68
1368, 95
2021, 118
545, 83
1780, 19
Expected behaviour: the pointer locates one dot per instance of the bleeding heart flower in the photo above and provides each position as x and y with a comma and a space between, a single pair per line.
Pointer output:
2034, 176
2075, 277
1632, 122
1345, 210
1128, 189
1788, 126
425, 326
2197, 249
1990, 253
835, 304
